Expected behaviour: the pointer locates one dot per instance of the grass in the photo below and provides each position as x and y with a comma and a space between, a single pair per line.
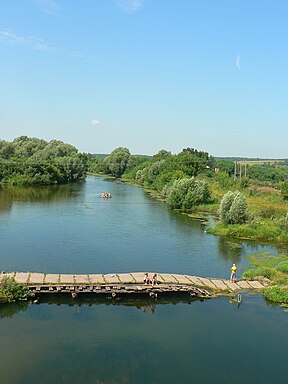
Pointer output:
274, 269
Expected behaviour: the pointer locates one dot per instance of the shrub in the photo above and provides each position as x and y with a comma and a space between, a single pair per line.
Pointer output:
276, 294
11, 291
283, 223
187, 193
233, 208
267, 272
283, 266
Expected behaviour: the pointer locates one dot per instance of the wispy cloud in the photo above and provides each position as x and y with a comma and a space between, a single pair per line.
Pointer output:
78, 55
129, 6
8, 36
95, 122
237, 62
49, 7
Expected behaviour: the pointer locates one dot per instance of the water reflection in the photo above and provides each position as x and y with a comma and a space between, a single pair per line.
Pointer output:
9, 310
141, 341
43, 194
229, 249
145, 305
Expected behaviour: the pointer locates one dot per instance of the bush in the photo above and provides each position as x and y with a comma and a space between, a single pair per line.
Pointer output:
283, 223
267, 272
276, 294
282, 267
187, 193
233, 208
11, 291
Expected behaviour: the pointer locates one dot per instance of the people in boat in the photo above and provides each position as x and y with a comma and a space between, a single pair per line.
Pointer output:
154, 280
106, 195
147, 279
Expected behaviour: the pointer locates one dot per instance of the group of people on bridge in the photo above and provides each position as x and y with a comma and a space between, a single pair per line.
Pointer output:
148, 280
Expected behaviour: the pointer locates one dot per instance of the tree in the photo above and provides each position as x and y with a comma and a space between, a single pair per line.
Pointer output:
6, 149
116, 163
233, 208
28, 161
187, 193
162, 154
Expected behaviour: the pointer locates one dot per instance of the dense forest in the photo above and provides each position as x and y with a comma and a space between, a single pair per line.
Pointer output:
32, 161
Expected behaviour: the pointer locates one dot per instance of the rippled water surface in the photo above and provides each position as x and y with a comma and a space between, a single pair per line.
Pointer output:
69, 229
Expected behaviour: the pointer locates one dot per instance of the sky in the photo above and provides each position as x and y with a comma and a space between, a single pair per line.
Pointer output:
147, 74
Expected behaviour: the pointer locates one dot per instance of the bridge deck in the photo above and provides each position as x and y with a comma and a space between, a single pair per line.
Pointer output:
134, 279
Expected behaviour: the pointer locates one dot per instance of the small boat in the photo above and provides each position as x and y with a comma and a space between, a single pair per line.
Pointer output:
106, 195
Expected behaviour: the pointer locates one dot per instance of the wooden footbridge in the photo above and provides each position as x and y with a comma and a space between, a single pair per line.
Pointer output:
128, 283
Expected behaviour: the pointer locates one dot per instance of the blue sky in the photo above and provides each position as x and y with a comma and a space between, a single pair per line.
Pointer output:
147, 74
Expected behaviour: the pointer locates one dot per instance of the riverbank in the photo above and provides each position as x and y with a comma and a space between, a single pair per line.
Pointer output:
265, 230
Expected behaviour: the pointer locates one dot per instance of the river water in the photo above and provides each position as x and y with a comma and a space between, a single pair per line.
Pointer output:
69, 229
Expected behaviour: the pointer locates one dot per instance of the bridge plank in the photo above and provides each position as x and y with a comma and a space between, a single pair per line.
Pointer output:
22, 277
111, 278
207, 283
51, 278
96, 279
66, 279
219, 284
126, 278
82, 279
194, 280
168, 278
138, 277
182, 279
36, 278
243, 284
256, 284
232, 286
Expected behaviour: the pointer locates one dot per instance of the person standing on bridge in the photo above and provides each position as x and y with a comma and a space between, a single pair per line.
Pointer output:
233, 273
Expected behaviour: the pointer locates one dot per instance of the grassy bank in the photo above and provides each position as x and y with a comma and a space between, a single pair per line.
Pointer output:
273, 270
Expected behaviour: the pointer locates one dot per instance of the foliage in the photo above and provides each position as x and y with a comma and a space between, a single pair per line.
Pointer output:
116, 163
11, 291
284, 190
187, 193
233, 208
225, 167
267, 172
276, 294
264, 230
274, 268
283, 266
267, 207
31, 161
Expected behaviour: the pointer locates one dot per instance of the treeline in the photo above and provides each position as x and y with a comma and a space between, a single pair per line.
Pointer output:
171, 175
32, 161
193, 178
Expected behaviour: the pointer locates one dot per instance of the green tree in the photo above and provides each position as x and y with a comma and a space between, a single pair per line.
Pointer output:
116, 163
233, 208
187, 193
6, 149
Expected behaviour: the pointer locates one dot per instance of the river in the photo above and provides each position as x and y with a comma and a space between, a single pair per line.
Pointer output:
69, 229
